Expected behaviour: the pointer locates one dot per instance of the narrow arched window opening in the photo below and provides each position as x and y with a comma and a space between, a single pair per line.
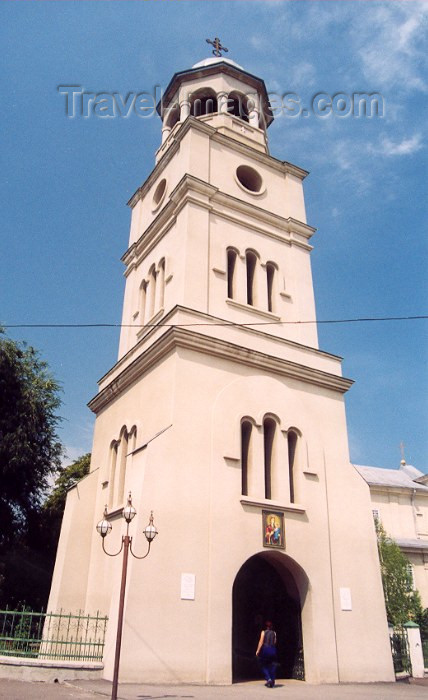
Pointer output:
251, 261
171, 116
292, 447
269, 429
112, 476
231, 268
143, 299
270, 276
246, 430
122, 465
202, 103
160, 285
237, 105
151, 293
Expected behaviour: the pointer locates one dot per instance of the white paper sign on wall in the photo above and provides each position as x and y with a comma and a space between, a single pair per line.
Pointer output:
188, 586
345, 599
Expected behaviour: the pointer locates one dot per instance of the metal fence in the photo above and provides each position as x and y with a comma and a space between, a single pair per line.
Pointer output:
425, 652
60, 636
400, 651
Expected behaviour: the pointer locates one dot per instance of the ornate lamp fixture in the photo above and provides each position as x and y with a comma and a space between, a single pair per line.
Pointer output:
104, 528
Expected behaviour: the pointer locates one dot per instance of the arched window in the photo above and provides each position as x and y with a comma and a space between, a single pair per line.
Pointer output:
112, 477
292, 448
251, 261
270, 276
151, 293
231, 270
246, 430
269, 429
203, 102
132, 439
237, 105
122, 465
172, 116
142, 301
160, 285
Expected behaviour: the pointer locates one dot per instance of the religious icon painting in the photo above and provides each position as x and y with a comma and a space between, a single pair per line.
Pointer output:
273, 529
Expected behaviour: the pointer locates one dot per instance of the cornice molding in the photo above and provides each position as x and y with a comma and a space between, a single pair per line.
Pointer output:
264, 158
208, 319
192, 189
221, 139
176, 337
266, 504
417, 547
417, 489
253, 310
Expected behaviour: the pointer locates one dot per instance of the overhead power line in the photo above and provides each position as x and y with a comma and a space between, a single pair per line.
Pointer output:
364, 319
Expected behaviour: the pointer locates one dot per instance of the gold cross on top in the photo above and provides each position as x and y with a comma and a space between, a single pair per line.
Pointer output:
218, 48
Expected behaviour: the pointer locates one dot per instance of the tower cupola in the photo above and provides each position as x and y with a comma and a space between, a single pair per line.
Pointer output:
221, 93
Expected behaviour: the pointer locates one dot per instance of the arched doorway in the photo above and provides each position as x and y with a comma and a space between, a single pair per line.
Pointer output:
265, 588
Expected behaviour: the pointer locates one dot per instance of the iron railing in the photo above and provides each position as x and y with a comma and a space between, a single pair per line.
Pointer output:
60, 636
425, 651
400, 651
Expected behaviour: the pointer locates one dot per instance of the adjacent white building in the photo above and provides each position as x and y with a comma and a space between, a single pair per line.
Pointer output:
399, 499
224, 417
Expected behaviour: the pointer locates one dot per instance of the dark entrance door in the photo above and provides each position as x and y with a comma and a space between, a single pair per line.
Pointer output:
264, 589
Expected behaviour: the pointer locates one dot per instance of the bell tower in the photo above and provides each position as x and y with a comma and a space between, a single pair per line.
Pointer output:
223, 417
219, 227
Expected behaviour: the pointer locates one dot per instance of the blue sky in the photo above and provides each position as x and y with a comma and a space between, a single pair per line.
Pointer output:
65, 183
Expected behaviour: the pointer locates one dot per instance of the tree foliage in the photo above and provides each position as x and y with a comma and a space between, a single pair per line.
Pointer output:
68, 477
53, 507
402, 602
30, 450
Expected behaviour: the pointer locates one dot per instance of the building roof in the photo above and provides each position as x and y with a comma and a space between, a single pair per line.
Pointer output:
214, 59
406, 477
415, 545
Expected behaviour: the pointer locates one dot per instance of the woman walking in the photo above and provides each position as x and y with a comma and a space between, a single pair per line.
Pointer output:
266, 651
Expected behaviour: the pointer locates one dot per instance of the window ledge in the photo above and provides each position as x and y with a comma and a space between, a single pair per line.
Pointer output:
275, 505
253, 310
150, 322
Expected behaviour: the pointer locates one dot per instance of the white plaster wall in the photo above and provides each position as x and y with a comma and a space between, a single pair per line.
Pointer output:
281, 193
404, 516
70, 576
195, 493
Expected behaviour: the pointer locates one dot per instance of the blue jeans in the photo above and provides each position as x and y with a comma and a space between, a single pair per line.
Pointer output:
268, 662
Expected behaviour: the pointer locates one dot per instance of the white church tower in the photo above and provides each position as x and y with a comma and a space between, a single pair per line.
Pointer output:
223, 416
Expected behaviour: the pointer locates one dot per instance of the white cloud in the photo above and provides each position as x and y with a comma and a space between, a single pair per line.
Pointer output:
389, 40
405, 147
343, 154
257, 42
302, 75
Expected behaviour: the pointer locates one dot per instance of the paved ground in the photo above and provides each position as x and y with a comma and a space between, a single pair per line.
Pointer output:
286, 690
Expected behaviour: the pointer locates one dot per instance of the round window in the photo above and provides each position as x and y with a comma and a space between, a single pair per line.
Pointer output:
249, 178
159, 193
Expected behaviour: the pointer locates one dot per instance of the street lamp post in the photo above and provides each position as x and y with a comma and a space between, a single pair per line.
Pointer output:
104, 528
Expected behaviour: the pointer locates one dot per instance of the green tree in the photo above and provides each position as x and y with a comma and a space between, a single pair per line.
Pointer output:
53, 507
30, 450
402, 602
30, 456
